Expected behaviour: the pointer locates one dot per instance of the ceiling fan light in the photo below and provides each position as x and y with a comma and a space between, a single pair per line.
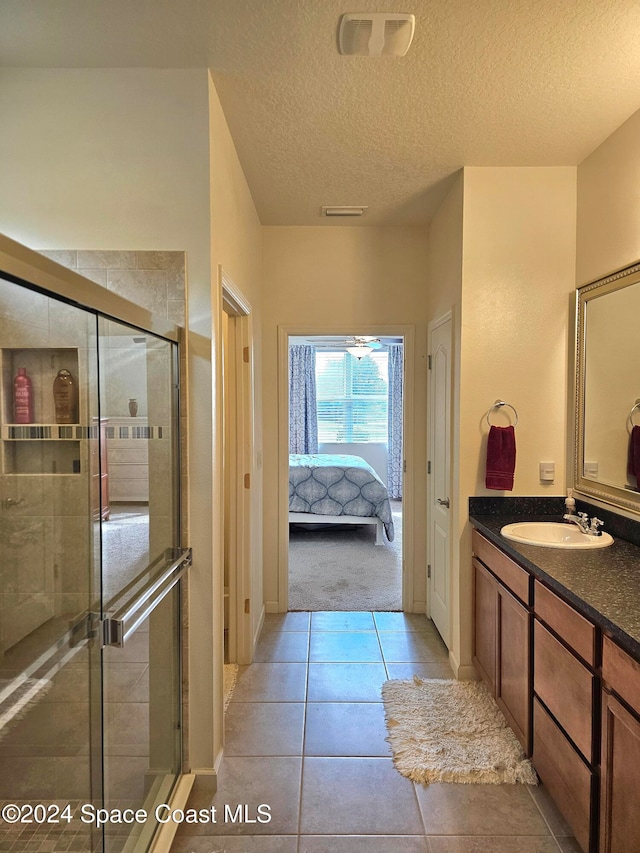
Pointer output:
359, 351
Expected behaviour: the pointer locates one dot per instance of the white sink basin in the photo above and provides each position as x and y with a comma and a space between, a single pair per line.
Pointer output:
553, 534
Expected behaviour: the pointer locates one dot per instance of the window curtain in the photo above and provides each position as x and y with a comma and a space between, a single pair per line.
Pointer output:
394, 471
303, 412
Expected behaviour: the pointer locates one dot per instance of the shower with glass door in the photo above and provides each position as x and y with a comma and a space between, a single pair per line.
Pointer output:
91, 561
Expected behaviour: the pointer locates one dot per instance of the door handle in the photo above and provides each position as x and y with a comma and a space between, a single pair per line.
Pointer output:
443, 502
119, 626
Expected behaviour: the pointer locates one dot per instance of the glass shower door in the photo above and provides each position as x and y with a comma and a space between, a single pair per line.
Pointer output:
141, 564
90, 699
50, 667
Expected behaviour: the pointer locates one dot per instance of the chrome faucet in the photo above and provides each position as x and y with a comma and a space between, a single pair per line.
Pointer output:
588, 527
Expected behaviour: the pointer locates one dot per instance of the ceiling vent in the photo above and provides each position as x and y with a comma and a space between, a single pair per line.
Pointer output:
375, 33
344, 209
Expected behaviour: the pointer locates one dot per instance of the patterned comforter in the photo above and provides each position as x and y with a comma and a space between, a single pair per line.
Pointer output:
327, 484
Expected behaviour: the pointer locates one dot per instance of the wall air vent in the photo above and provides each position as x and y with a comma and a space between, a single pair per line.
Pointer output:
344, 209
375, 33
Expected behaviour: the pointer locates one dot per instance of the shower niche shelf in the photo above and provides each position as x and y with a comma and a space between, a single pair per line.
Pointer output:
44, 446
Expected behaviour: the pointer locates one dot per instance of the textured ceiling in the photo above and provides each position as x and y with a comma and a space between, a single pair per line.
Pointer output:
485, 83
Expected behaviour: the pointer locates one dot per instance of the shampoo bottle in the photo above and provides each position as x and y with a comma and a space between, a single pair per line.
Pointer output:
65, 398
22, 398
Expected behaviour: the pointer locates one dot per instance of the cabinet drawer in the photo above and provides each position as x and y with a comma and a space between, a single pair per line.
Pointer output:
128, 455
565, 775
565, 686
621, 673
515, 578
567, 623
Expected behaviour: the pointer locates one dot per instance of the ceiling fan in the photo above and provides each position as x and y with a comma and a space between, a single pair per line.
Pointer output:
357, 345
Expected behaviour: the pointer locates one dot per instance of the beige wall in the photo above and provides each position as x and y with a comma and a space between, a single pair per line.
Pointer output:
237, 248
328, 277
444, 261
608, 226
608, 239
518, 274
119, 158
519, 256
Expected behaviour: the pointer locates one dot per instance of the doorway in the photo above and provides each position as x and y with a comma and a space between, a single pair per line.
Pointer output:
90, 644
440, 493
237, 432
352, 405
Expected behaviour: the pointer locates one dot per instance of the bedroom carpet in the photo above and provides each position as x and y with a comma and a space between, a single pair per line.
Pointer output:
451, 731
341, 568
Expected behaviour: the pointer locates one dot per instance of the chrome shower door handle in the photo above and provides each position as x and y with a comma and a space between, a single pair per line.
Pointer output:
443, 502
119, 626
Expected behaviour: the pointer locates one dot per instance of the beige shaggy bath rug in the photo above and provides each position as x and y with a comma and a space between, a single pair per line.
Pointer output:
451, 731
230, 678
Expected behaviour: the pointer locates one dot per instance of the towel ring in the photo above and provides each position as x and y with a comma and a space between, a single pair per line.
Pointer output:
630, 423
499, 403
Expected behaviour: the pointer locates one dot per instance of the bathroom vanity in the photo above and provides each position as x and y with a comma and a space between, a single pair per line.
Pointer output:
557, 640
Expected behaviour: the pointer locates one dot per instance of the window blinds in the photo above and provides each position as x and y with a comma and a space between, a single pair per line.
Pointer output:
352, 397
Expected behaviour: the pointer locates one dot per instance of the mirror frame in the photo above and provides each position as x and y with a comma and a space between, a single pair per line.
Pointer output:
614, 495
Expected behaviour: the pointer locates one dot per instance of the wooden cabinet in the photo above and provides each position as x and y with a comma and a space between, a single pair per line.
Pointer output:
541, 659
620, 760
502, 630
485, 626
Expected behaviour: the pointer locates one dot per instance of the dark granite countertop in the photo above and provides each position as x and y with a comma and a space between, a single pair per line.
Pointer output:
603, 584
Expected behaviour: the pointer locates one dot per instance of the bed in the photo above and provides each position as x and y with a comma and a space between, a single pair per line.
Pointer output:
335, 489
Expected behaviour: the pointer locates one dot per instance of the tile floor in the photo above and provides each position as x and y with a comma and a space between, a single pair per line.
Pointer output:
305, 735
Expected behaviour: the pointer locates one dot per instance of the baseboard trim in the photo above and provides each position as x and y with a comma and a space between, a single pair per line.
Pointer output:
466, 672
256, 635
271, 607
166, 832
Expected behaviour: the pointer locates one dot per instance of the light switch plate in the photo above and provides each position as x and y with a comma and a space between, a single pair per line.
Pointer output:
547, 472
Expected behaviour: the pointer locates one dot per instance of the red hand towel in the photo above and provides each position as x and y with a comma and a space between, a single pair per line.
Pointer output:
501, 458
634, 454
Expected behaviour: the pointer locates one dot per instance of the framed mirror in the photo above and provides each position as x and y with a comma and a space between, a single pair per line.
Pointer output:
607, 411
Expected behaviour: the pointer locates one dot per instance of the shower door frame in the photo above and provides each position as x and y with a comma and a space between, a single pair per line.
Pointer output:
29, 269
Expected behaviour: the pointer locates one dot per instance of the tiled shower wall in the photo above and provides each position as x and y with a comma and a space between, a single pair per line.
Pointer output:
153, 280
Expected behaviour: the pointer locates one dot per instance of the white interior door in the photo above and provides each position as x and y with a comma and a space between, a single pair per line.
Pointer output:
439, 498
238, 464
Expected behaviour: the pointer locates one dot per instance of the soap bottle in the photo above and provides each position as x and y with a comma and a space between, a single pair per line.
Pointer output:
570, 503
22, 398
65, 398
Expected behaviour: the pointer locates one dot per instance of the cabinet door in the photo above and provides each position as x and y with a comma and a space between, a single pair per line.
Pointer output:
485, 624
513, 682
565, 686
620, 774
